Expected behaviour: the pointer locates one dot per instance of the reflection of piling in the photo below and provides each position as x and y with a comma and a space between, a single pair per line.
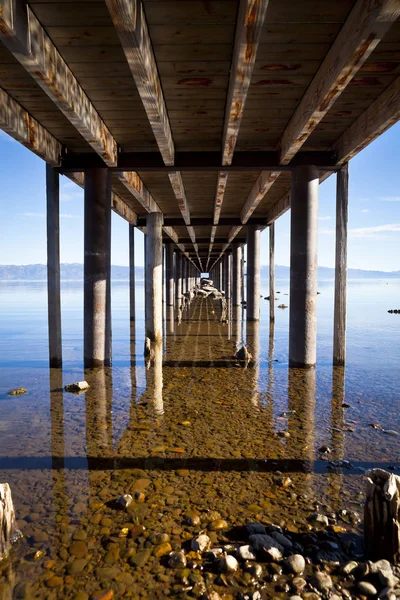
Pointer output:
98, 413
58, 449
300, 445
236, 324
335, 480
133, 364
253, 346
154, 379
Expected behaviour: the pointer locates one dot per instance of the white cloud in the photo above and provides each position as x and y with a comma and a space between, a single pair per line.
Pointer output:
33, 214
365, 210
325, 218
68, 196
68, 216
389, 198
376, 232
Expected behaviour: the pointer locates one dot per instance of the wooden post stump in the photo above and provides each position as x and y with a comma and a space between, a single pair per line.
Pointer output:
8, 525
382, 516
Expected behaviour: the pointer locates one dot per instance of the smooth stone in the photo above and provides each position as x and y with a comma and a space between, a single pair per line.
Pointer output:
76, 566
255, 528
295, 598
228, 564
177, 560
162, 549
322, 581
367, 588
77, 386
107, 572
264, 543
78, 549
79, 535
246, 553
319, 519
218, 524
349, 567
201, 543
124, 500
296, 563
281, 539
54, 581
387, 594
311, 596
140, 485
299, 584
141, 558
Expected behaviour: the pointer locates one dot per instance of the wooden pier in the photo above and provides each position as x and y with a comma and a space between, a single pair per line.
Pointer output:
199, 123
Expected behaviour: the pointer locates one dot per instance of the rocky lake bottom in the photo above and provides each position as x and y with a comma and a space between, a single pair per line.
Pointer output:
244, 482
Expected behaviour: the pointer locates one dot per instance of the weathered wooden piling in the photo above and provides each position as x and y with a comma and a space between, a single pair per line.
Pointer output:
153, 299
339, 320
303, 267
178, 277
169, 273
253, 273
97, 304
132, 271
272, 272
8, 524
53, 266
236, 271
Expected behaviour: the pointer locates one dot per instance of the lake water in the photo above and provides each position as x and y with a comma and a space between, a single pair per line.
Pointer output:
195, 433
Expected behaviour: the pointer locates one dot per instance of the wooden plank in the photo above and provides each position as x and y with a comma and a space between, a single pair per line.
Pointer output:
339, 322
260, 188
19, 124
24, 36
248, 31
130, 22
379, 116
362, 31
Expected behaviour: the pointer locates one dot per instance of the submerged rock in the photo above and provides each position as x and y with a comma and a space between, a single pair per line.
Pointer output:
296, 563
243, 354
77, 386
201, 543
17, 392
124, 500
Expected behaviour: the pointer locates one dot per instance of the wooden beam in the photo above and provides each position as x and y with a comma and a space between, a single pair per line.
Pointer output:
339, 321
23, 35
130, 22
259, 189
248, 30
366, 25
19, 124
379, 116
243, 161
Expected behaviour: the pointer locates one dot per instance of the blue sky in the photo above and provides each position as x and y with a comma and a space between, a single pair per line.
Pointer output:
374, 212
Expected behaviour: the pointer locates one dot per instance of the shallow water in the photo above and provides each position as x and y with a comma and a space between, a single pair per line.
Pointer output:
193, 432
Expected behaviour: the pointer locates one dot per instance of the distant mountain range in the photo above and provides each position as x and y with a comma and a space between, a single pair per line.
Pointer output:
74, 272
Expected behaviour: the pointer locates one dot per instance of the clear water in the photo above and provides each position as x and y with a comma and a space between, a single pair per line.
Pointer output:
200, 431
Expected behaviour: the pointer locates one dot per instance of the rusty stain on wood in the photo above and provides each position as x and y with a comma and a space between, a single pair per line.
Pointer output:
195, 81
281, 67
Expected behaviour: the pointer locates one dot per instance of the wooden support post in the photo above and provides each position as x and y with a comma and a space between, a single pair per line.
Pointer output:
154, 222
272, 272
178, 277
169, 273
236, 283
242, 274
132, 271
221, 275
382, 516
8, 524
97, 305
53, 266
145, 273
303, 267
253, 273
339, 324
228, 274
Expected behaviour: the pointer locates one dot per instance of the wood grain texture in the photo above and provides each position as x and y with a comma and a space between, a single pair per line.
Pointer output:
362, 31
24, 36
339, 319
8, 524
130, 22
19, 124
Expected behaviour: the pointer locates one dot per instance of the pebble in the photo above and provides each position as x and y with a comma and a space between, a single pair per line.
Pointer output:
54, 581
109, 595
76, 566
177, 560
246, 553
296, 563
319, 519
322, 581
78, 549
17, 392
218, 524
162, 549
299, 584
255, 528
201, 543
263, 543
141, 558
349, 567
124, 500
367, 588
228, 564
